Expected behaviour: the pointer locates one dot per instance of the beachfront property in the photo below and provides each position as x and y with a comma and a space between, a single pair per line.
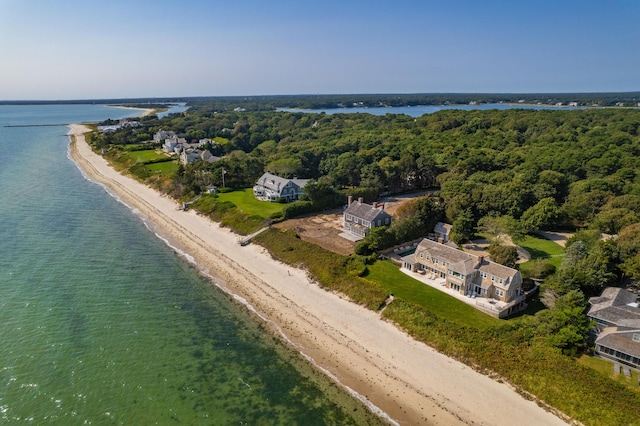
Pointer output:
359, 218
617, 317
187, 152
493, 288
124, 122
272, 188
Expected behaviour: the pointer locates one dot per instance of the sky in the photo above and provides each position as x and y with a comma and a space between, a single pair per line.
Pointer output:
90, 49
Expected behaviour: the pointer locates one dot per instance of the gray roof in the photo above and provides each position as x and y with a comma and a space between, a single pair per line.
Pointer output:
442, 228
366, 211
616, 306
442, 251
276, 183
620, 339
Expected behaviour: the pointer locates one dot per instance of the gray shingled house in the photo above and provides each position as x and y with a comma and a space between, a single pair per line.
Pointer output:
469, 275
359, 217
271, 187
617, 318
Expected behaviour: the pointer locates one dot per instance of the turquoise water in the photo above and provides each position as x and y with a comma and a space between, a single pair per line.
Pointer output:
420, 110
102, 323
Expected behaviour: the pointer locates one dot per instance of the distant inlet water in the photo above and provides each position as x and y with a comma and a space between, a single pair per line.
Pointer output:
420, 110
102, 323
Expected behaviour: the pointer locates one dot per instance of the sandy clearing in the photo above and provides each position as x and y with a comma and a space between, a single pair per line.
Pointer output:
407, 380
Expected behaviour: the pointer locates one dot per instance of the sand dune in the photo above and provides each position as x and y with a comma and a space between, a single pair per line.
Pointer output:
406, 380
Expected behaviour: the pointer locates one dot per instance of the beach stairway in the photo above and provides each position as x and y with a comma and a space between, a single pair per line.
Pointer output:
247, 238
185, 205
384, 304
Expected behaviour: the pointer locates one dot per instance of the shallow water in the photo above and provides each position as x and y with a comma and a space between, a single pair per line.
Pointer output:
102, 323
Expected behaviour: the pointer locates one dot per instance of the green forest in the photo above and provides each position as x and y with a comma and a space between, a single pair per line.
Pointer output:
492, 172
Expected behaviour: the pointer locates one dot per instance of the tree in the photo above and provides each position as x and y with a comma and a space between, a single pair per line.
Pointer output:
565, 325
498, 227
631, 266
504, 255
463, 227
377, 239
544, 215
610, 221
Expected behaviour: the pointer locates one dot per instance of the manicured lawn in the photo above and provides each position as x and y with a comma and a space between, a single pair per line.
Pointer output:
403, 286
541, 248
145, 156
164, 168
245, 201
606, 368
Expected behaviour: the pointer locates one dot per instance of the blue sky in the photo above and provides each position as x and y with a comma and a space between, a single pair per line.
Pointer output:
73, 49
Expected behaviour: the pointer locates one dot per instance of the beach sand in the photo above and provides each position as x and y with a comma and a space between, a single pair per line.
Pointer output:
407, 380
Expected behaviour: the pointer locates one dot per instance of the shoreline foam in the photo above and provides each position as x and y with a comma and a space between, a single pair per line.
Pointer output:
406, 380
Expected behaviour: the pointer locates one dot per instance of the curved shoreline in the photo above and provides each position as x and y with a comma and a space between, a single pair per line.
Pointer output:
407, 380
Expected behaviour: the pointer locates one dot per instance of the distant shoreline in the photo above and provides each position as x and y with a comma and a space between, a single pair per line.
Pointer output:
145, 111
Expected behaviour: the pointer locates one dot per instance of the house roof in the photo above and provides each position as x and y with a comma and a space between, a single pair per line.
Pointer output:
442, 228
276, 183
442, 251
620, 339
365, 211
616, 306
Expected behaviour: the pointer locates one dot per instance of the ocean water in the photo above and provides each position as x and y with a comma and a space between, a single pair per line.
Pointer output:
420, 110
102, 323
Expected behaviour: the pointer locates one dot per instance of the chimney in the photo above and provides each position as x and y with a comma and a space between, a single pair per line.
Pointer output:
480, 260
381, 205
349, 200
360, 200
375, 205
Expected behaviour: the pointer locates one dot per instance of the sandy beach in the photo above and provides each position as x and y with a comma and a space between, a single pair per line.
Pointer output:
407, 381
144, 111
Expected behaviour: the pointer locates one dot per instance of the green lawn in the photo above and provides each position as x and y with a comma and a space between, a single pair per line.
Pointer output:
541, 248
164, 168
145, 156
606, 367
245, 201
403, 286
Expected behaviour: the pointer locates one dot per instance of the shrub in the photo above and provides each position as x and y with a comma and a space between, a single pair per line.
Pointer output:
297, 208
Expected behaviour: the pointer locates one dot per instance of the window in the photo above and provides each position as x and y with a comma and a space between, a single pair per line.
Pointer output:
493, 278
500, 280
444, 263
421, 255
483, 274
386, 220
636, 337
499, 292
379, 222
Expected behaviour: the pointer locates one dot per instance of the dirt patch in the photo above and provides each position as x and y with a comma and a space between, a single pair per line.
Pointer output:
324, 229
